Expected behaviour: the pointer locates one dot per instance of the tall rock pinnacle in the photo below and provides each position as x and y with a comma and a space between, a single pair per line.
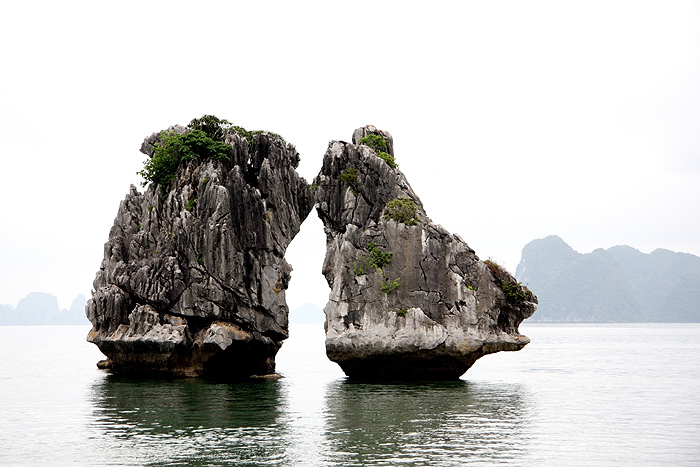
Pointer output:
193, 278
408, 299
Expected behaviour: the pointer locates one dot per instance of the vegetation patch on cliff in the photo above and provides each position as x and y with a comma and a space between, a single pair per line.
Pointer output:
375, 142
402, 210
375, 259
515, 292
216, 129
350, 177
204, 140
191, 204
378, 143
388, 286
175, 149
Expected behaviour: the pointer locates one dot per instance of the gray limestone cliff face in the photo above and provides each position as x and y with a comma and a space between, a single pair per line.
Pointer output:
408, 299
193, 278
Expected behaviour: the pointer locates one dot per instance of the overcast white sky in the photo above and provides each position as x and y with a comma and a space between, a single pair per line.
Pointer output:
511, 120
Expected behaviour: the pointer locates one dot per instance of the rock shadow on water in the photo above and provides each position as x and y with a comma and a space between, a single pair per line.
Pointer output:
187, 421
426, 423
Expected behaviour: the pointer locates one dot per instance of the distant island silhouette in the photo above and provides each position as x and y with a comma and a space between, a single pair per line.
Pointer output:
41, 309
617, 285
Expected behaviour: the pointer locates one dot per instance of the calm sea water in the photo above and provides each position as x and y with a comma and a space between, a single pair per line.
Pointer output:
622, 395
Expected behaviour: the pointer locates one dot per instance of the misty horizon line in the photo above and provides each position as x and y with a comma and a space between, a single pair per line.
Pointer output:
85, 296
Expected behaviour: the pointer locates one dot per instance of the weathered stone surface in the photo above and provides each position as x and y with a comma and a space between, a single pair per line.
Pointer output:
193, 278
449, 308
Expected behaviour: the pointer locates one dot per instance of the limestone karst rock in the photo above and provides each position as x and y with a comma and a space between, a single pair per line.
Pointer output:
408, 299
193, 277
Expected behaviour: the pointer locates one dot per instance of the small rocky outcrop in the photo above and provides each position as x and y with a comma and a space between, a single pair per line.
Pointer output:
408, 299
193, 277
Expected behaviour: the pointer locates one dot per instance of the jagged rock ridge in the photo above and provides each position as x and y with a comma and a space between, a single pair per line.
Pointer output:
408, 299
193, 278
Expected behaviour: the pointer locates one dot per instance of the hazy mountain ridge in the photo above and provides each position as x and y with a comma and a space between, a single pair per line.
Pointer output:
620, 284
41, 309
307, 313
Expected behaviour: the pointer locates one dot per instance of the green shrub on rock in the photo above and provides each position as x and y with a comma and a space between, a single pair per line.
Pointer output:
161, 167
174, 149
388, 286
402, 210
379, 145
204, 140
191, 204
213, 126
376, 259
216, 129
515, 292
362, 266
388, 158
350, 177
379, 258
375, 142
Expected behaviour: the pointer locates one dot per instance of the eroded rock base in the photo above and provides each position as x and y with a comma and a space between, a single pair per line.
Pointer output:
418, 366
166, 345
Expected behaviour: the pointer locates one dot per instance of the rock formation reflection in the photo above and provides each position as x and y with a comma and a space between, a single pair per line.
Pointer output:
188, 422
440, 423
197, 422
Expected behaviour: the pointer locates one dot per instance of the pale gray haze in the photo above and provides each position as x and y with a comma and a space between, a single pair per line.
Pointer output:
511, 120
